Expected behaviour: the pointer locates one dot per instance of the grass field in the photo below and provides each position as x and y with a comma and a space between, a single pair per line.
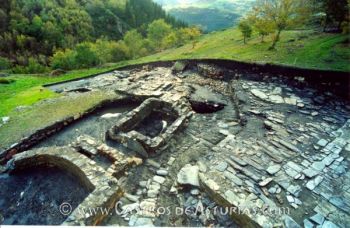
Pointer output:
306, 49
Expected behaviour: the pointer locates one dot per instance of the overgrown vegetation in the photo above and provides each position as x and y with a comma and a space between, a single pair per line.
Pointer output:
159, 36
37, 34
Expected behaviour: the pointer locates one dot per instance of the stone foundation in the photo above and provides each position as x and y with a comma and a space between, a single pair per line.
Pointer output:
124, 131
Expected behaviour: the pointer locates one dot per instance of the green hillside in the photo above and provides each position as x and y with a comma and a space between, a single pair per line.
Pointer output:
306, 49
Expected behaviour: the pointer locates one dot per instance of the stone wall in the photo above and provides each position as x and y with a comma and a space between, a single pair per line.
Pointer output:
104, 188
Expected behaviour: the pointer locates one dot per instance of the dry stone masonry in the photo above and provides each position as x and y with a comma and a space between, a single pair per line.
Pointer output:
210, 146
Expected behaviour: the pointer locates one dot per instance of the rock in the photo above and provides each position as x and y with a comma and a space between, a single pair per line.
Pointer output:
301, 105
159, 179
288, 145
298, 201
131, 197
142, 222
319, 166
322, 142
312, 184
259, 94
143, 184
291, 101
272, 190
310, 172
195, 192
265, 182
273, 169
222, 166
308, 224
294, 190
3, 169
179, 67
171, 161
153, 163
135, 160
290, 223
162, 172
86, 144
188, 175
276, 90
202, 166
276, 99
152, 193
204, 100
290, 199
5, 119
329, 224
57, 72
110, 115
210, 70
340, 203
208, 183
232, 197
236, 180
121, 74
318, 218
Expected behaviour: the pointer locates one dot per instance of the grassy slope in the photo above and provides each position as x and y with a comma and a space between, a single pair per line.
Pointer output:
308, 50
27, 89
43, 114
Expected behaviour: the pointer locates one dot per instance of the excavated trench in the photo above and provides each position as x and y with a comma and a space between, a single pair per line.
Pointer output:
217, 115
95, 124
33, 196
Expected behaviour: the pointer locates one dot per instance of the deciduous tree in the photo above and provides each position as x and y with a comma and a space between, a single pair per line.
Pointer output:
281, 14
246, 29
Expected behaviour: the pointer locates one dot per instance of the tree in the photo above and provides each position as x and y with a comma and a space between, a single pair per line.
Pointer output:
262, 26
281, 14
134, 41
85, 56
246, 30
157, 31
336, 12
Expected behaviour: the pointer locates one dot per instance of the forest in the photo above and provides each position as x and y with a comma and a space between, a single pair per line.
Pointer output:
38, 35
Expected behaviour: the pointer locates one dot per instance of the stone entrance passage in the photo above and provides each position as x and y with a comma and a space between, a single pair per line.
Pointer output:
148, 127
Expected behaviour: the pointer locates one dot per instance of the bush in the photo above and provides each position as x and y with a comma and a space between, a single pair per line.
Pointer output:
5, 64
33, 67
85, 56
63, 60
120, 52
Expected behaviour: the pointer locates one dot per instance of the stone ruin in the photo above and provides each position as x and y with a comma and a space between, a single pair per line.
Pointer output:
145, 129
272, 150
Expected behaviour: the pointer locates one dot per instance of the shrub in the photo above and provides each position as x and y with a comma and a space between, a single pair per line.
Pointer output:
85, 56
33, 67
120, 52
5, 64
63, 60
